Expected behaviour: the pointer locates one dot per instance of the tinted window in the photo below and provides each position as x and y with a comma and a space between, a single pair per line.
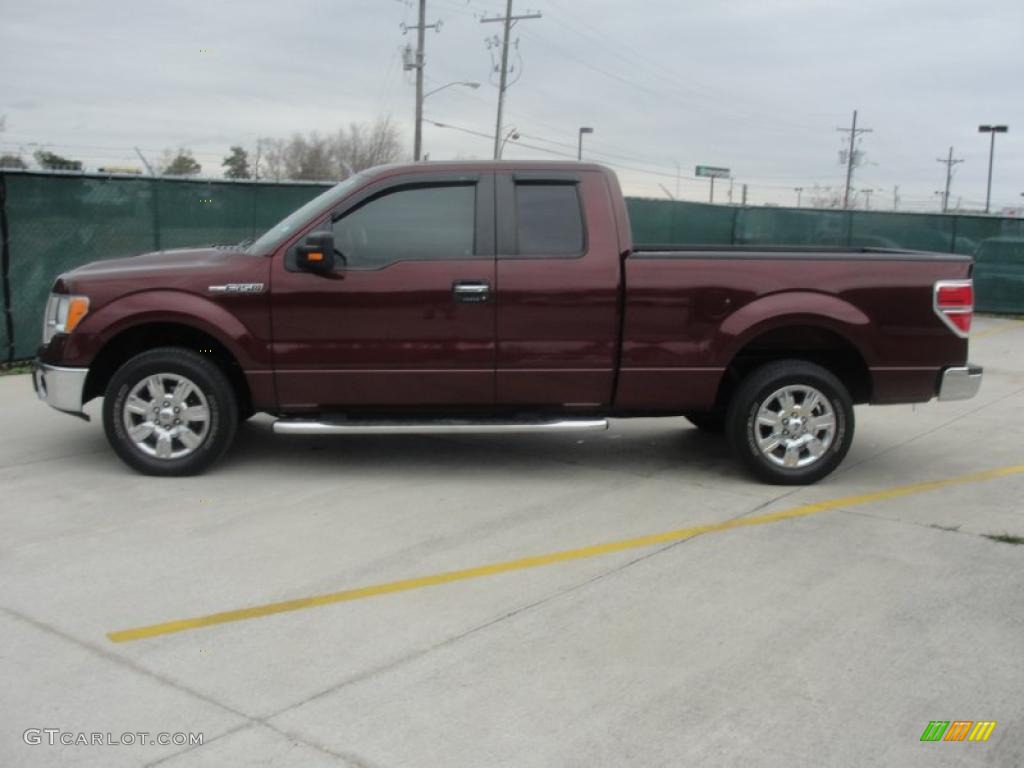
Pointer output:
412, 224
548, 220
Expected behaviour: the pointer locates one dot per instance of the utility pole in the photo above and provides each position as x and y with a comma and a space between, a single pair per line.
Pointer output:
421, 28
896, 197
711, 197
507, 21
949, 162
744, 195
867, 199
799, 193
854, 132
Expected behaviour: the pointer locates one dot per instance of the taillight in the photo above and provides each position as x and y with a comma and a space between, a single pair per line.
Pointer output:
954, 303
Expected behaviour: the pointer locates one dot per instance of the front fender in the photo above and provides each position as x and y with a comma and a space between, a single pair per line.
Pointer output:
169, 306
796, 308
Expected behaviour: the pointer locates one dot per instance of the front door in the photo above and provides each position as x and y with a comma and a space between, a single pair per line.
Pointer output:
407, 318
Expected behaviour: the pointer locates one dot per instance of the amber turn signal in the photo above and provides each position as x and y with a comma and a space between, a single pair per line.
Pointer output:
77, 309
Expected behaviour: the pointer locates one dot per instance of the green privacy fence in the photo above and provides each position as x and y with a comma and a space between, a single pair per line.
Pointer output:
52, 222
56, 221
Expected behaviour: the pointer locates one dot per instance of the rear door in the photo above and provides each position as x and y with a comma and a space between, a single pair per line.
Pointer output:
557, 290
408, 320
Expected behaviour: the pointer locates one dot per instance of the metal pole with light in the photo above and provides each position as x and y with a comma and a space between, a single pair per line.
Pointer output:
579, 143
466, 83
993, 130
418, 144
512, 134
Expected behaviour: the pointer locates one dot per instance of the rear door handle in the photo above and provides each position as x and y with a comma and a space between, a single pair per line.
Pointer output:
469, 292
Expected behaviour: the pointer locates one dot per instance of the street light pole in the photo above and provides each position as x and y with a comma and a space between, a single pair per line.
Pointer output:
418, 145
579, 144
993, 130
512, 134
466, 83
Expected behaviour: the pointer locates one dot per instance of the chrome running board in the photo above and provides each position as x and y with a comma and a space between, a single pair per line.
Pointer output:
434, 427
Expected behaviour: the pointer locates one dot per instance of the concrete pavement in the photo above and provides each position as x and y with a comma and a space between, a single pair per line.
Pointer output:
831, 638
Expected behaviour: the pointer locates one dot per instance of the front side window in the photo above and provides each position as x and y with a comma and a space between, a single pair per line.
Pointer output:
549, 221
411, 224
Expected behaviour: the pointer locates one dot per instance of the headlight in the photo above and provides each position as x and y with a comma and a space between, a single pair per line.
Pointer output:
63, 314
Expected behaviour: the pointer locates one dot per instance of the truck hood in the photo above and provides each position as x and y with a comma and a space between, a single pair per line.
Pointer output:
158, 261
186, 269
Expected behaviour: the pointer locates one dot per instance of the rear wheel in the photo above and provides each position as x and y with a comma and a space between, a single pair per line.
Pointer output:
169, 411
791, 422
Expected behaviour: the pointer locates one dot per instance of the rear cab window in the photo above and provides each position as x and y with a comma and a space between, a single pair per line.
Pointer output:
540, 216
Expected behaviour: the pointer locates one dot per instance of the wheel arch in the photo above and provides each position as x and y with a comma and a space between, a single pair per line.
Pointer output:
814, 338
134, 339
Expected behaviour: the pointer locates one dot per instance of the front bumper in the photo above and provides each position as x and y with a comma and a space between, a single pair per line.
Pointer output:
960, 383
60, 387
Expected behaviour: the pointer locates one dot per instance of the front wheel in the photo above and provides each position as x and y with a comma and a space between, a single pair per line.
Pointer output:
169, 412
791, 422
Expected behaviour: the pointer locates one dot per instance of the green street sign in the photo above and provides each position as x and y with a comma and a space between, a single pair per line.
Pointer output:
712, 172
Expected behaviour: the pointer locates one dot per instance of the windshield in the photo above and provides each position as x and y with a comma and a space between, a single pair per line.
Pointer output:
278, 233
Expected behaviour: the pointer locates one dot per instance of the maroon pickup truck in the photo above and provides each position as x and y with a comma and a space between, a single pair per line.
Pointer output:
505, 298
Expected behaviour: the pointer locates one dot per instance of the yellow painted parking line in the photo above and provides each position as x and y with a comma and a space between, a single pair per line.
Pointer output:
445, 577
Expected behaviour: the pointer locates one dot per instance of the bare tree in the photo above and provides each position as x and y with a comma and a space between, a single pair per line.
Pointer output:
269, 163
364, 146
318, 158
825, 197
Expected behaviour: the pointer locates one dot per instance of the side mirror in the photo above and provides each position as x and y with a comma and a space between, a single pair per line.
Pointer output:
316, 253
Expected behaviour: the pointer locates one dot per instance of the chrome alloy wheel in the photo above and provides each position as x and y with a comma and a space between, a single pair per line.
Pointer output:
166, 415
795, 426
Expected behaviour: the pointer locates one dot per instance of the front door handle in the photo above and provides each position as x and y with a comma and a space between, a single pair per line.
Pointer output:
466, 292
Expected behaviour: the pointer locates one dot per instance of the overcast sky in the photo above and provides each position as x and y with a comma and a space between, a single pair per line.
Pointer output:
758, 86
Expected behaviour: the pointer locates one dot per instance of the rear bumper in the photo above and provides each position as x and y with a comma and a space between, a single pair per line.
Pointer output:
60, 388
960, 383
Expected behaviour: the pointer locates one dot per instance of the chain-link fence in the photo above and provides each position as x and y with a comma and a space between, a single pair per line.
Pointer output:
52, 222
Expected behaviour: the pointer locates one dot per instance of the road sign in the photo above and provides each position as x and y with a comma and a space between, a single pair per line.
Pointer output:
712, 172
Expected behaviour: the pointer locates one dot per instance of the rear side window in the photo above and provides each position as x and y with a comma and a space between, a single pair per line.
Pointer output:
549, 220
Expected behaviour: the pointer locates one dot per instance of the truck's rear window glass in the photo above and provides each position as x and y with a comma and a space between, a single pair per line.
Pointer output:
548, 219
411, 224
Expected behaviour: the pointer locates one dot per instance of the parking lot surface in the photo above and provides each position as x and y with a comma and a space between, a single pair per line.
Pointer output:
629, 598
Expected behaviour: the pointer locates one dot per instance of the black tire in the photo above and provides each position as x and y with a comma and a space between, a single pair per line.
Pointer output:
712, 422
744, 430
211, 389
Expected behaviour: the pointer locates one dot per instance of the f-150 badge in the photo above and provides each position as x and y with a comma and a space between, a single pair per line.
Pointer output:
237, 288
